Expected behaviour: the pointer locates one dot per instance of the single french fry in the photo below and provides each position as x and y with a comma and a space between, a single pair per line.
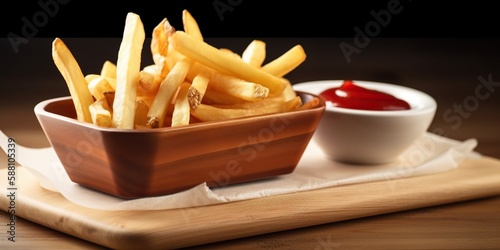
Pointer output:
292, 104
308, 105
159, 41
213, 97
90, 77
127, 72
75, 80
286, 62
289, 93
166, 92
111, 81
150, 78
218, 60
266, 103
151, 69
239, 88
195, 69
159, 48
191, 26
255, 53
101, 114
108, 69
206, 112
98, 87
197, 90
182, 110
141, 113
230, 52
147, 85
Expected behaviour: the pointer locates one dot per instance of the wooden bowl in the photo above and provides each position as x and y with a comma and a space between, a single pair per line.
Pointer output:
150, 162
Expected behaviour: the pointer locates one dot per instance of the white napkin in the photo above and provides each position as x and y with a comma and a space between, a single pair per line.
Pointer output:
429, 155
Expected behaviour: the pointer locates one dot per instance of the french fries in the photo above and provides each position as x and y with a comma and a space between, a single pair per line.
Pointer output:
286, 62
127, 72
255, 53
101, 113
108, 69
72, 73
99, 86
224, 62
182, 109
190, 80
168, 88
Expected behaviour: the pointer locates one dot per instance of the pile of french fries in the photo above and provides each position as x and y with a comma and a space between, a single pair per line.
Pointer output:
189, 81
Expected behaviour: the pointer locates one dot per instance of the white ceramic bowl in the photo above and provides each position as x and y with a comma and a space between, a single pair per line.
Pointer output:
371, 137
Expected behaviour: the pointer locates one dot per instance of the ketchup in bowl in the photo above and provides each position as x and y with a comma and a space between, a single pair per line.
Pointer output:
350, 95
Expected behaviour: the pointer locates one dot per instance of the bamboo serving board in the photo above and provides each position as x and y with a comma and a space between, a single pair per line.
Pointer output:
176, 228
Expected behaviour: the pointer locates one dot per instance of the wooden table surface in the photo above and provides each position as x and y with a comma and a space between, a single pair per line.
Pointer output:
451, 70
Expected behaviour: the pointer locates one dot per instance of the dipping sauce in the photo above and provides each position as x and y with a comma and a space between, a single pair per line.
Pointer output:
352, 96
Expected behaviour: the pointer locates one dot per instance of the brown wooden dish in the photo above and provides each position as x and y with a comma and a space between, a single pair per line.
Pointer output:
139, 163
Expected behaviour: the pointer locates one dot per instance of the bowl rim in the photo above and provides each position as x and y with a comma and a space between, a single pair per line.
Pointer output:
430, 107
40, 110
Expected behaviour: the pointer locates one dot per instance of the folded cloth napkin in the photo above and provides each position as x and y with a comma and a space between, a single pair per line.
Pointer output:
431, 154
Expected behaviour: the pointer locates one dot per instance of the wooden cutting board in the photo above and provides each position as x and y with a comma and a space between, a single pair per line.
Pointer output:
176, 228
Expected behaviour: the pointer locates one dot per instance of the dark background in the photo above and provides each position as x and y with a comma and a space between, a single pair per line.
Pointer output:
257, 18
438, 47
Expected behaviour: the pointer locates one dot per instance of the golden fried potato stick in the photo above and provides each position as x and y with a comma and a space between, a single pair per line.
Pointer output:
191, 26
275, 102
127, 72
159, 41
166, 92
111, 81
147, 85
289, 93
224, 83
101, 113
99, 86
216, 59
230, 52
182, 110
90, 77
213, 97
286, 62
108, 69
141, 113
206, 112
159, 48
255, 53
292, 104
308, 105
197, 90
239, 88
75, 80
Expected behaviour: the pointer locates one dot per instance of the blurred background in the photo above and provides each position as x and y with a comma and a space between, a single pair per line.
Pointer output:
449, 50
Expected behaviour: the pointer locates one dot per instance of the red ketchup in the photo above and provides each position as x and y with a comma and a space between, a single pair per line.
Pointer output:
352, 96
